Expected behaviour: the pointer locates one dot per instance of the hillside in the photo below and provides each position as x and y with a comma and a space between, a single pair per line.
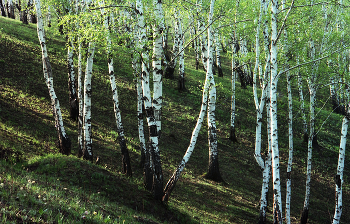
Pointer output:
39, 185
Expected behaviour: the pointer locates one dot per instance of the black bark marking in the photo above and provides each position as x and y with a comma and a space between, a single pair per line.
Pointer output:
338, 180
153, 131
149, 112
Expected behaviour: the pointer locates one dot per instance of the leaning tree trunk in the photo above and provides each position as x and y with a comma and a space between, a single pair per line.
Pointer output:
126, 166
64, 142
312, 140
176, 175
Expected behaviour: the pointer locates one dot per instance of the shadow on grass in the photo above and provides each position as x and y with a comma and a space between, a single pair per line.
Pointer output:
88, 181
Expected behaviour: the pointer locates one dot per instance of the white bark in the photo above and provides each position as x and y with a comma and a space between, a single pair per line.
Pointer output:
147, 100
157, 62
340, 169
49, 80
80, 103
277, 205
204, 44
290, 157
301, 99
218, 51
213, 172
205, 95
312, 90
233, 91
181, 56
265, 165
87, 150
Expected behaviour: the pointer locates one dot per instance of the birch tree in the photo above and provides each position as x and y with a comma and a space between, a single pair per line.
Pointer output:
153, 169
213, 166
205, 97
2, 8
63, 139
87, 131
181, 79
312, 90
340, 170
217, 51
126, 166
286, 53
277, 199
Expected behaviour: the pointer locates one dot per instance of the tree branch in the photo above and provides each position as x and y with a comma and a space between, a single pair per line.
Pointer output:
284, 22
309, 62
194, 38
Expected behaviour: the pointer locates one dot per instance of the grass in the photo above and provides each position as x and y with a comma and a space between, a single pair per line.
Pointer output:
39, 185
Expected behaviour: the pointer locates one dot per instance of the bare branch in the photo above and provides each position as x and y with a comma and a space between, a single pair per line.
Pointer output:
309, 62
195, 38
112, 6
284, 22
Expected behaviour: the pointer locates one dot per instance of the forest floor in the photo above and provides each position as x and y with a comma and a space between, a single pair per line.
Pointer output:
38, 185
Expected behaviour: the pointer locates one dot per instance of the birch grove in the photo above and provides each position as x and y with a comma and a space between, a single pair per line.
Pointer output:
269, 40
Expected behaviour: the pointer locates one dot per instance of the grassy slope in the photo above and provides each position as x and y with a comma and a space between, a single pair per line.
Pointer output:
39, 185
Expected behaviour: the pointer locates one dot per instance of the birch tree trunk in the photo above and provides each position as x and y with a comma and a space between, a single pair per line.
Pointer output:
2, 7
234, 64
11, 10
176, 175
302, 107
157, 99
312, 140
146, 95
87, 143
172, 60
290, 125
80, 103
22, 12
277, 199
340, 169
213, 167
32, 17
204, 44
265, 165
136, 64
154, 182
218, 50
181, 81
73, 102
64, 142
126, 166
